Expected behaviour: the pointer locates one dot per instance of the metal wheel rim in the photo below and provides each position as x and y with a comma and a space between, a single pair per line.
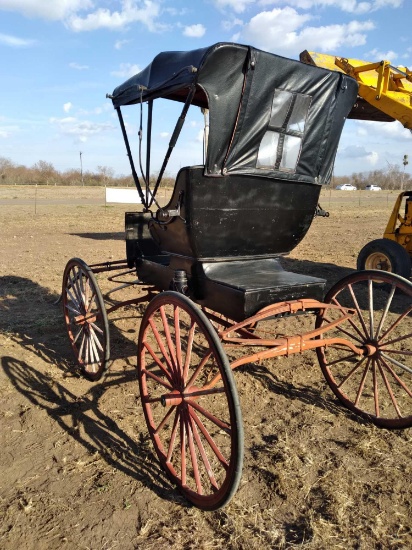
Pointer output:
199, 446
86, 319
378, 384
380, 261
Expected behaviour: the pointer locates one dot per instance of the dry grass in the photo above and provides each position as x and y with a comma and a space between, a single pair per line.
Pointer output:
78, 470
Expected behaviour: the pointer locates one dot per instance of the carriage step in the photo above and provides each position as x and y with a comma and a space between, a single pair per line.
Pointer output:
239, 289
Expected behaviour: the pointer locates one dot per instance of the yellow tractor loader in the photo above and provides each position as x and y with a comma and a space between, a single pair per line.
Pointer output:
385, 94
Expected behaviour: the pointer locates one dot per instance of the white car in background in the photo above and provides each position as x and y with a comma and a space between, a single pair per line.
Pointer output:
372, 187
346, 187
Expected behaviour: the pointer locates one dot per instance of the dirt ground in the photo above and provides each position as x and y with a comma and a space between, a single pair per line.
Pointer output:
78, 470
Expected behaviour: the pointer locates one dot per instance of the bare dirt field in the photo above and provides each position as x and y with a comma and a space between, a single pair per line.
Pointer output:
78, 470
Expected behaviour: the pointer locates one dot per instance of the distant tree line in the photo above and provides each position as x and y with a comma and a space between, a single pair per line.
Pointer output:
44, 173
392, 178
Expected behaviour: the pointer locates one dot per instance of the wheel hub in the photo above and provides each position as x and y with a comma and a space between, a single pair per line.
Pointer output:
371, 349
177, 397
83, 319
378, 260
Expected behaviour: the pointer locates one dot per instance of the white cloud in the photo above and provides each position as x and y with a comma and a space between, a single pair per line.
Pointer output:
67, 106
385, 131
239, 6
359, 152
126, 70
118, 45
8, 131
106, 107
80, 129
131, 12
230, 24
15, 41
282, 31
45, 9
164, 135
376, 55
194, 31
351, 6
78, 67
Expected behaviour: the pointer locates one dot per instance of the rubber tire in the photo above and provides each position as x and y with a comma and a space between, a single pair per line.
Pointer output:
398, 258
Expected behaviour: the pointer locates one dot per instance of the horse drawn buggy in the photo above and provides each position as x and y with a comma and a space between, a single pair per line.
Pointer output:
209, 263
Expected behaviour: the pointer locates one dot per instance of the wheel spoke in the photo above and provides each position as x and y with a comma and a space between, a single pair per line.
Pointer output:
82, 346
397, 351
72, 309
76, 288
158, 362
396, 377
209, 439
362, 384
370, 292
362, 336
80, 331
346, 332
178, 345
220, 423
190, 339
193, 457
397, 363
389, 388
159, 380
74, 300
396, 323
385, 313
95, 338
203, 454
355, 301
169, 341
96, 328
349, 375
390, 342
375, 387
199, 369
345, 358
90, 302
173, 436
183, 465
165, 419
163, 349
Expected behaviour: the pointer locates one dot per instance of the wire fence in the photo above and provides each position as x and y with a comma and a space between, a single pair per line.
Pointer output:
43, 197
40, 198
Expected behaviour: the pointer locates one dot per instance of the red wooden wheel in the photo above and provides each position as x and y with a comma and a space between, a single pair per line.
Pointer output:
377, 384
86, 319
190, 401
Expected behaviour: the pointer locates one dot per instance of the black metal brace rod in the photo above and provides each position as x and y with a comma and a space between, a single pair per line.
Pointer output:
129, 154
149, 144
174, 138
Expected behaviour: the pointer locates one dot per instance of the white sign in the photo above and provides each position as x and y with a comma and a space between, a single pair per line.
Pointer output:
126, 196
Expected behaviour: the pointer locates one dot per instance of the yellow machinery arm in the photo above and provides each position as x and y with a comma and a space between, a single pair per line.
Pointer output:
386, 89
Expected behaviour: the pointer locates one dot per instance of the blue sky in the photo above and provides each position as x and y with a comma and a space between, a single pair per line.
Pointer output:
59, 58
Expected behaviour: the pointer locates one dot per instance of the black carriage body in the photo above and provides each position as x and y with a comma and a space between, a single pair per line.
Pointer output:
275, 125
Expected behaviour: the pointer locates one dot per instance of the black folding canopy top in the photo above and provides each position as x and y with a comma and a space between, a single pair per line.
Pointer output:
268, 115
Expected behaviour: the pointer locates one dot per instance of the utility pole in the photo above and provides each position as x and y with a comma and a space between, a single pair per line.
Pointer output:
405, 163
81, 168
